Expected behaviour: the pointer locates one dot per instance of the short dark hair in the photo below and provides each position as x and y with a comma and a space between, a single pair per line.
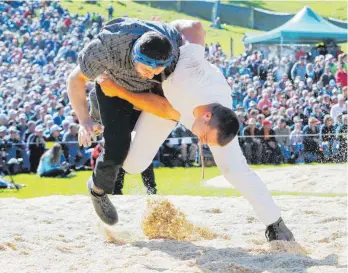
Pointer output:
155, 45
226, 122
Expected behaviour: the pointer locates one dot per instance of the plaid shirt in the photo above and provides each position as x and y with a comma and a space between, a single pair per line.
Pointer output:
111, 52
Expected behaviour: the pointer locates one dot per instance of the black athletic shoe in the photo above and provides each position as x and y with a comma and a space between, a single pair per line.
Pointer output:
103, 206
278, 231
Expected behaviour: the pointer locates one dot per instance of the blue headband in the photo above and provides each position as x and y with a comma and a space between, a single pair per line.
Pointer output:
139, 57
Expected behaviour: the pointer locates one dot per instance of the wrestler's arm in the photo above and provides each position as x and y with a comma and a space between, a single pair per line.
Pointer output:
76, 89
191, 31
148, 102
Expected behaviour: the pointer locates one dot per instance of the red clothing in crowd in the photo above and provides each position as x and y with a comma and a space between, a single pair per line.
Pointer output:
263, 103
341, 76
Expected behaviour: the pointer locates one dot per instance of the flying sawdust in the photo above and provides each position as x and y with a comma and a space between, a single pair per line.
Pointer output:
164, 221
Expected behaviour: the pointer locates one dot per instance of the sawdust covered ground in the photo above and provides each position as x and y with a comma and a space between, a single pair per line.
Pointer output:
62, 234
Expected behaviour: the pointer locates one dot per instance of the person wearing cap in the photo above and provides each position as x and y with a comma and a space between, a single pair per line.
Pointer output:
55, 134
144, 54
18, 148
341, 138
270, 149
37, 147
266, 111
251, 142
311, 141
299, 69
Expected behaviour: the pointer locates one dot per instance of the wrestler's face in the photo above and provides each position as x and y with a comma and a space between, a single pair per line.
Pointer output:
204, 131
147, 72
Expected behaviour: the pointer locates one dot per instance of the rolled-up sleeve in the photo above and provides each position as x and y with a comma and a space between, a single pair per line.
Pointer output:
93, 59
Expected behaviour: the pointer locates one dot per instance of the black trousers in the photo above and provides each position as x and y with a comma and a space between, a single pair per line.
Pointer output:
119, 119
148, 177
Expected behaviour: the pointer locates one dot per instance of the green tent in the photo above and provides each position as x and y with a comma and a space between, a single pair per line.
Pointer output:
306, 27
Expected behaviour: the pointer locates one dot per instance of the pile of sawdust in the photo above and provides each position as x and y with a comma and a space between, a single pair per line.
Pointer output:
164, 221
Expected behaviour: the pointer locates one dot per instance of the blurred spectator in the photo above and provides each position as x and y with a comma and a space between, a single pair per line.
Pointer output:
18, 149
341, 75
251, 96
338, 108
55, 134
110, 12
311, 141
270, 149
78, 157
341, 137
37, 147
59, 116
327, 134
252, 145
188, 149
296, 142
299, 69
326, 77
282, 134
50, 163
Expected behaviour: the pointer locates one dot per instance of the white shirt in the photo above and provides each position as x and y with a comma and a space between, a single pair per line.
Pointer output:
335, 111
195, 82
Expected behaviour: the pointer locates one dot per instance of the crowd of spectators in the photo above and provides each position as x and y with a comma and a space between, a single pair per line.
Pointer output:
292, 109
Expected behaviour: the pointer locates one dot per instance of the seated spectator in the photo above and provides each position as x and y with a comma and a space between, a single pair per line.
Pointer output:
59, 116
29, 131
317, 112
65, 125
55, 135
77, 156
22, 125
188, 149
296, 143
259, 120
17, 149
37, 147
251, 97
337, 109
270, 149
50, 163
326, 77
282, 134
37, 114
265, 101
327, 134
311, 141
252, 144
341, 137
265, 111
